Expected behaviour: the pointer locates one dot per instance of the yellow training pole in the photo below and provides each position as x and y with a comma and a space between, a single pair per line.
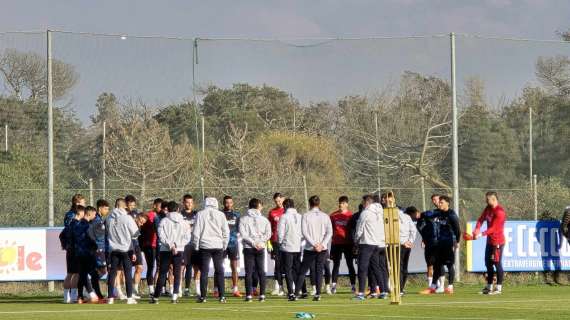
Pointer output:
392, 231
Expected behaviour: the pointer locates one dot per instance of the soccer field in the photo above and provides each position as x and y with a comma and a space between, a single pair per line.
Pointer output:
522, 302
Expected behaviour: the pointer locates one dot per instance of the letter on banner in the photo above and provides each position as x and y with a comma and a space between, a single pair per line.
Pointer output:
520, 241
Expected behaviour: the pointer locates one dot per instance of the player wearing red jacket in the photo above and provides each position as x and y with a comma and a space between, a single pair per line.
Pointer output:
495, 217
273, 216
342, 242
149, 241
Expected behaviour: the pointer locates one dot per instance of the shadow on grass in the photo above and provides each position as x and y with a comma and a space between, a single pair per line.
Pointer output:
17, 299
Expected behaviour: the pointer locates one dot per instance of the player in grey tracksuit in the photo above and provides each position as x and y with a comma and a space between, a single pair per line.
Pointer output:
369, 236
255, 231
210, 236
121, 232
290, 237
316, 228
173, 234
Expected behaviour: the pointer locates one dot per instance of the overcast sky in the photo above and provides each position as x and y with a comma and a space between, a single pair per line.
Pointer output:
269, 18
161, 71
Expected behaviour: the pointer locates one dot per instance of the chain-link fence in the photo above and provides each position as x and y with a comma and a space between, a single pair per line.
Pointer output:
161, 117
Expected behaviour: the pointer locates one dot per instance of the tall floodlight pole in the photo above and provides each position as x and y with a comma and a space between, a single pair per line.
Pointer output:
104, 161
455, 154
50, 139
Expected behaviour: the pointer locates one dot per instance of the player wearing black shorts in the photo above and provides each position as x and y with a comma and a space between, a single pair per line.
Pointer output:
138, 264
72, 276
232, 252
192, 260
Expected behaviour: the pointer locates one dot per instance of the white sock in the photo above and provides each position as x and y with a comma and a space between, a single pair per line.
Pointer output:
171, 290
441, 282
136, 288
499, 287
276, 285
450, 286
73, 295
66, 296
175, 296
197, 284
235, 289
93, 296
163, 290
180, 287
430, 280
151, 289
119, 291
489, 286
334, 284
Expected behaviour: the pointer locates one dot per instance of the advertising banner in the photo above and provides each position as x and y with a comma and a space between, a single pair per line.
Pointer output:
530, 246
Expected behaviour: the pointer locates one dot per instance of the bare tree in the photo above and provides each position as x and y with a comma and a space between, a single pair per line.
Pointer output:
140, 152
25, 74
554, 73
414, 133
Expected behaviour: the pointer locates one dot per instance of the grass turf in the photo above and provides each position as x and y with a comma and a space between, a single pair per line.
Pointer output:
520, 302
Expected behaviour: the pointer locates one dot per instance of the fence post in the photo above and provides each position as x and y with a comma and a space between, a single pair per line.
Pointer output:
455, 153
6, 138
306, 193
377, 154
49, 85
91, 196
535, 196
422, 183
530, 146
202, 188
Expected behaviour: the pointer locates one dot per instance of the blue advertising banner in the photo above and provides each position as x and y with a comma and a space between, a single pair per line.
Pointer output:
530, 246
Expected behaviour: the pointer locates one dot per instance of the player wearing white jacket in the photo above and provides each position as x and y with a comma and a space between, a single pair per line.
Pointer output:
316, 228
210, 236
290, 240
255, 231
173, 235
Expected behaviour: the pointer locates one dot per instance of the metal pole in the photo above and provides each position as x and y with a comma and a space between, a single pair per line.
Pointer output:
530, 145
203, 139
455, 154
377, 154
104, 161
423, 186
535, 196
91, 196
202, 188
306, 193
6, 138
50, 139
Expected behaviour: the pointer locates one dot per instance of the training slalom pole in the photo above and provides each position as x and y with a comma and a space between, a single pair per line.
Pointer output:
392, 233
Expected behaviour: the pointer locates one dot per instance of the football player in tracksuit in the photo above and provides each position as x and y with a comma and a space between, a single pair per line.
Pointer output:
369, 235
342, 243
290, 240
255, 231
494, 215
210, 235
446, 241
191, 257
232, 252
408, 234
316, 228
122, 230
174, 234
72, 275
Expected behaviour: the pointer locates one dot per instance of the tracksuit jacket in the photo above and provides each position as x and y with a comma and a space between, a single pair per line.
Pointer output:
316, 227
211, 229
408, 230
289, 232
370, 226
173, 232
121, 230
254, 229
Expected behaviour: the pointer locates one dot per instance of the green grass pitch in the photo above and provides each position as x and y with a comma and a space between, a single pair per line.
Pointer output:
520, 302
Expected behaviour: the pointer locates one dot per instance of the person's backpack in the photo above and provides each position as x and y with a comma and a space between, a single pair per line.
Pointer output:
565, 223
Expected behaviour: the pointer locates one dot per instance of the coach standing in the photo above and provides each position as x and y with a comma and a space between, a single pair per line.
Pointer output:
210, 236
